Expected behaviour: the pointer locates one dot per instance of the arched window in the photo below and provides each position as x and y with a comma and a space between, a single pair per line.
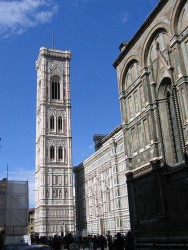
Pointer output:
60, 153
55, 88
52, 123
52, 153
183, 19
160, 42
132, 74
59, 123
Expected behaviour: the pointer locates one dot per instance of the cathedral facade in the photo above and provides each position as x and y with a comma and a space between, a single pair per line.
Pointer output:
54, 202
101, 194
152, 71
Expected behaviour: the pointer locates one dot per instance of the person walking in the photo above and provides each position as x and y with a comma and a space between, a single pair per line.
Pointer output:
129, 240
119, 242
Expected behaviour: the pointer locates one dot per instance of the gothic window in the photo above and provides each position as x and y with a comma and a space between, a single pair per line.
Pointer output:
55, 88
52, 123
60, 153
132, 74
52, 153
183, 19
160, 42
59, 123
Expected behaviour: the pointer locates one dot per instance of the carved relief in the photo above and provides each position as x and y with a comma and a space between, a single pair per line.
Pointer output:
56, 69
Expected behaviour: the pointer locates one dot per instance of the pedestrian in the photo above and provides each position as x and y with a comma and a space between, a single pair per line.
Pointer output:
119, 242
69, 240
129, 240
102, 242
109, 239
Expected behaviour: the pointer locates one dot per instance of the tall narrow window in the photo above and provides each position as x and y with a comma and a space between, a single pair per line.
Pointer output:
60, 153
59, 123
52, 153
55, 88
51, 123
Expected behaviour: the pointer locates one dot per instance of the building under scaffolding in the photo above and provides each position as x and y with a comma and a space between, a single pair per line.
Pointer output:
14, 204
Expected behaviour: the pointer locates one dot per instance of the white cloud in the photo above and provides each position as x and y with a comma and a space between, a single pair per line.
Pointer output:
17, 16
124, 16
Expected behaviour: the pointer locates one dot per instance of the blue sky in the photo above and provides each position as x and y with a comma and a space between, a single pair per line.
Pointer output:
92, 30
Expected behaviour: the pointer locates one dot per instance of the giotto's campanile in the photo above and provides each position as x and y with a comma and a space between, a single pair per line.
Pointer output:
54, 203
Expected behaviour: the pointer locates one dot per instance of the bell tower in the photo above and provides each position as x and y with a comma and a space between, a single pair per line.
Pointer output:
54, 201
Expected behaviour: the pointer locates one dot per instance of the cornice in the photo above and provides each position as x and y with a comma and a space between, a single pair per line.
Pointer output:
139, 33
55, 53
108, 136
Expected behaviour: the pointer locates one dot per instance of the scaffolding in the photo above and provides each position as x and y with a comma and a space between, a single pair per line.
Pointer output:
14, 204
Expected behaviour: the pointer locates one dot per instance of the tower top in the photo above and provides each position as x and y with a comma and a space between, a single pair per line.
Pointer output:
54, 54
